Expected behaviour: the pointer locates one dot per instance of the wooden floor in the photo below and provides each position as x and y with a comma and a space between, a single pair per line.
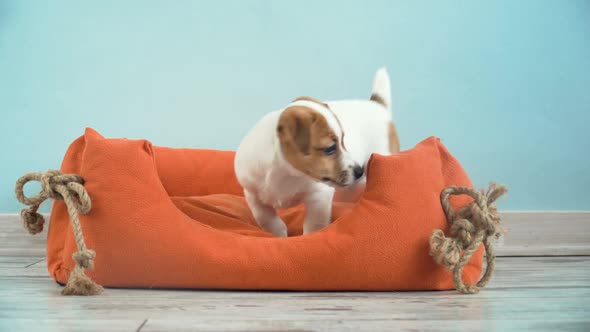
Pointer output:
547, 293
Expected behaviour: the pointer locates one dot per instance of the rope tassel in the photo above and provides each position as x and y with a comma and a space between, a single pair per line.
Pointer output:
70, 189
472, 225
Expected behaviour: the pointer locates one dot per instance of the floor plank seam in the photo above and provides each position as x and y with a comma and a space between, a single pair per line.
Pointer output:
39, 261
142, 325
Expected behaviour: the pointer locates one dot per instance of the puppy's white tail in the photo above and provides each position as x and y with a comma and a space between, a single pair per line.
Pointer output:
381, 92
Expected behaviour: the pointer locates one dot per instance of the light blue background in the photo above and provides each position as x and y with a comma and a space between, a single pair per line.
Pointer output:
505, 84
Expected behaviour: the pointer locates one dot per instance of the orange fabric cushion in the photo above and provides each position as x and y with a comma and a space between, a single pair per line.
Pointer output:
176, 218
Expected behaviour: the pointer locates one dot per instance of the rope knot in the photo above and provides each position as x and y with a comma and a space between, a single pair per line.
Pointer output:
471, 226
70, 189
32, 221
55, 185
48, 181
445, 250
84, 258
463, 231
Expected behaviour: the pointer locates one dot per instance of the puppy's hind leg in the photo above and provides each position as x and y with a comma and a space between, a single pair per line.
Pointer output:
265, 215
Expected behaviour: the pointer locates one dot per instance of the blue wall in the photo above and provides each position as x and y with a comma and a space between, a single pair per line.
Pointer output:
506, 84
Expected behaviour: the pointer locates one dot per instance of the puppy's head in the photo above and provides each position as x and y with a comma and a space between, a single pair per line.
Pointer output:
312, 141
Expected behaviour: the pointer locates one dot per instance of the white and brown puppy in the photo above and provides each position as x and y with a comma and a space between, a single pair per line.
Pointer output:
301, 153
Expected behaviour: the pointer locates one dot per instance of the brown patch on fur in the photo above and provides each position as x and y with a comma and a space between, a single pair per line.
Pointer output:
313, 100
378, 100
304, 134
341, 129
393, 139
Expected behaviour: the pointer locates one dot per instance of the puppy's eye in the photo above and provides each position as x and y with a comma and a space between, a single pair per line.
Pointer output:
330, 150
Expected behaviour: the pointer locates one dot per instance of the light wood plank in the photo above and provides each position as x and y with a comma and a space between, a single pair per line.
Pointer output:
196, 324
16, 241
23, 267
78, 324
545, 233
526, 293
18, 260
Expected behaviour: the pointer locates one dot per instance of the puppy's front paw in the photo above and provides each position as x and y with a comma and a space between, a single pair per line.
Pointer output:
277, 227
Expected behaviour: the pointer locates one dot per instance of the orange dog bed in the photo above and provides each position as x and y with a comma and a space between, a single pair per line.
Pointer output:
176, 218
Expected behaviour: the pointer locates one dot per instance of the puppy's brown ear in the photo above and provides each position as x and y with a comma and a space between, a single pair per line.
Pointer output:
294, 129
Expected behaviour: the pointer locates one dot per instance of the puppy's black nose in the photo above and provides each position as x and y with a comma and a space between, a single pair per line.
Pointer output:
358, 172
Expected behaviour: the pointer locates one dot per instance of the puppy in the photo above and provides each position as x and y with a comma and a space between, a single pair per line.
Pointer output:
302, 153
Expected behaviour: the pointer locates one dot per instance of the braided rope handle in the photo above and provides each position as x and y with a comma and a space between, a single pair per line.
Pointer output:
70, 189
472, 225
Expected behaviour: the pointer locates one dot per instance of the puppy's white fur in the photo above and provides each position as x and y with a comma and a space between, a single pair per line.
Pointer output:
271, 182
